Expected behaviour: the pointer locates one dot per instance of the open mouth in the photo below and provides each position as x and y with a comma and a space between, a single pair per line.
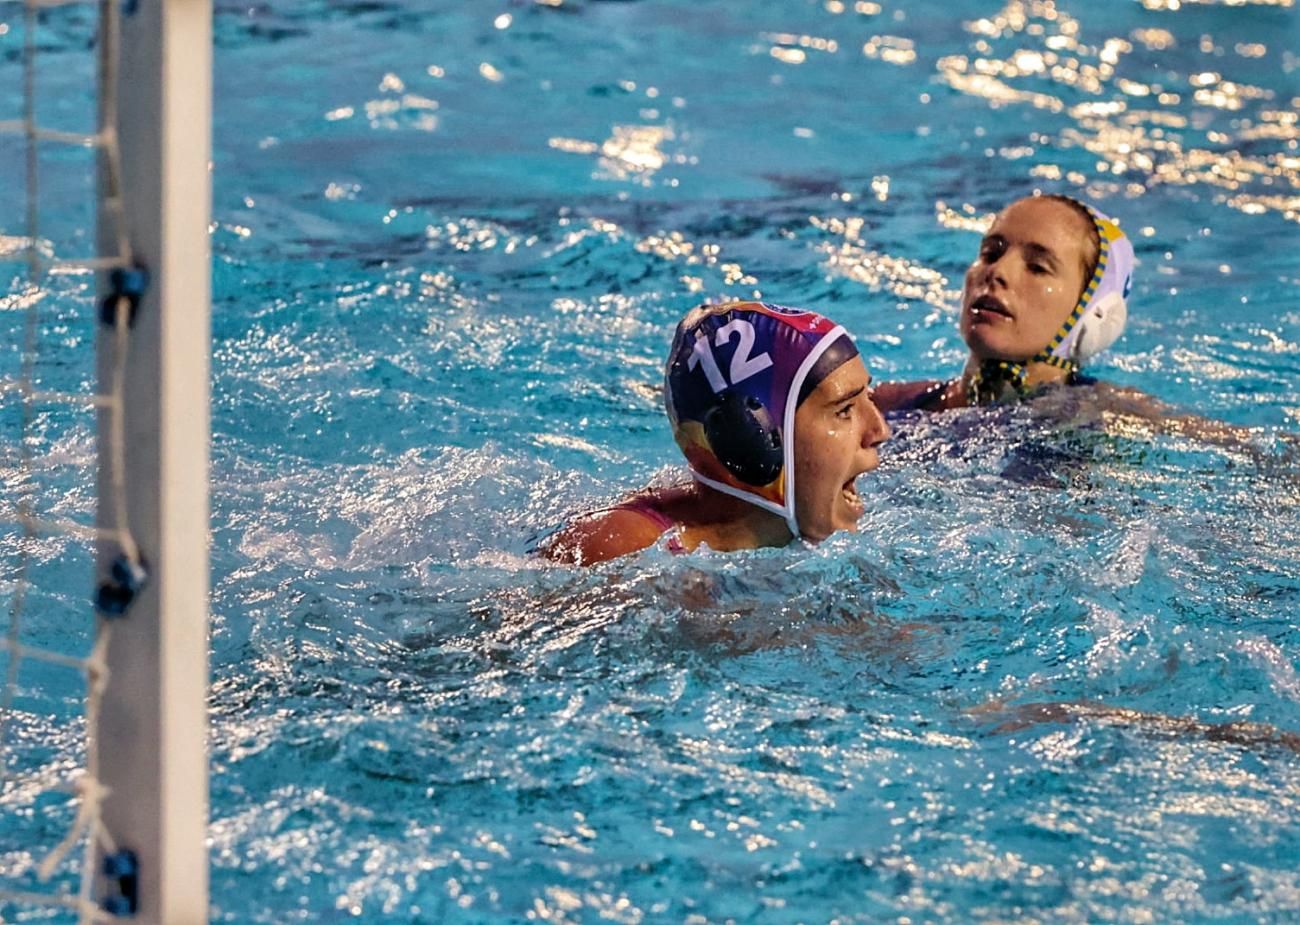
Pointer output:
851, 497
989, 305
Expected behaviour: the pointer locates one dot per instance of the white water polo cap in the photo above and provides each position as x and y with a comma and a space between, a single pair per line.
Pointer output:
1099, 317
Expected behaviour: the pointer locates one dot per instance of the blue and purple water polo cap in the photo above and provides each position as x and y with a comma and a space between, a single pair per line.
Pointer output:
735, 375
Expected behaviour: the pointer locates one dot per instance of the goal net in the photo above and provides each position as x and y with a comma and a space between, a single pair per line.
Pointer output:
103, 459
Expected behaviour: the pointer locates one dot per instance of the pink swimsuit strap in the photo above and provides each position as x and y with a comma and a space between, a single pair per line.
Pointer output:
651, 513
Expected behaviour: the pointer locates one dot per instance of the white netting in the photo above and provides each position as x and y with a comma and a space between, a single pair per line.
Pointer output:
19, 506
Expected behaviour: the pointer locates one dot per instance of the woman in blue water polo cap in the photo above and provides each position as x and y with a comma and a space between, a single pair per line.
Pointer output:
771, 407
1045, 294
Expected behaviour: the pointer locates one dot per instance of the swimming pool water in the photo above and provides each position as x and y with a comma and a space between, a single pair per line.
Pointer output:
1055, 677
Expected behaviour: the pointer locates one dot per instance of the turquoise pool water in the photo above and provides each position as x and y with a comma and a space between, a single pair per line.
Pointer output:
1052, 678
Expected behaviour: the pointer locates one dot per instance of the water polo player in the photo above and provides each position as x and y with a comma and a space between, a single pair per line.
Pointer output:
772, 408
1045, 294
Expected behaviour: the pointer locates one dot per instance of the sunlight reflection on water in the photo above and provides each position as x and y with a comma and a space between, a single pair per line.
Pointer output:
1048, 676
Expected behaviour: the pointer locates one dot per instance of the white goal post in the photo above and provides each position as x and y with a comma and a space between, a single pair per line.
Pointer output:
153, 721
143, 791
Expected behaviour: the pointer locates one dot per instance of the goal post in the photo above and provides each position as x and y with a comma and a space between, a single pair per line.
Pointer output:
153, 720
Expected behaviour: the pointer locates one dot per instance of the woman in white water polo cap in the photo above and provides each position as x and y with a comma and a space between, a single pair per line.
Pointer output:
1045, 294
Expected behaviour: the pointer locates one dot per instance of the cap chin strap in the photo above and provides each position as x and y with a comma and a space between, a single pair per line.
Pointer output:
1004, 380
996, 381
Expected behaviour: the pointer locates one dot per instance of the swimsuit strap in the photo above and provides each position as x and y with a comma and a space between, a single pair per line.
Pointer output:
646, 509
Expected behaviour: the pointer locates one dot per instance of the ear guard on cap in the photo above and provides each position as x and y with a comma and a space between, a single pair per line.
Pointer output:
1101, 327
745, 438
1101, 313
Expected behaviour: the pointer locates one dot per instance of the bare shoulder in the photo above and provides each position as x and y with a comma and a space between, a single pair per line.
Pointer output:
601, 536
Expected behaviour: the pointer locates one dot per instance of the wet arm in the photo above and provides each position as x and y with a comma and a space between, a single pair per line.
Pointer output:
600, 537
908, 396
1127, 408
1015, 718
